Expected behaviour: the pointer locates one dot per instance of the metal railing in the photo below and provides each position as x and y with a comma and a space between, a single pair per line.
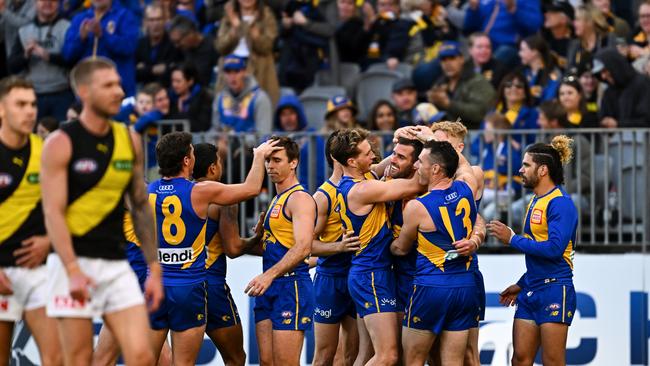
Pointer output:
608, 178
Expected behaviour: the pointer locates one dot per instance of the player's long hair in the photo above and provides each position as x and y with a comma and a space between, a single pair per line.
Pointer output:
554, 155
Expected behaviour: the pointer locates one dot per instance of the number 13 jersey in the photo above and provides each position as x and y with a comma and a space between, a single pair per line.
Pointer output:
181, 232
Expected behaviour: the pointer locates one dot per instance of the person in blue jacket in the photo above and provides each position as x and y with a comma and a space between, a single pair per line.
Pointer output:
540, 69
290, 117
105, 29
505, 22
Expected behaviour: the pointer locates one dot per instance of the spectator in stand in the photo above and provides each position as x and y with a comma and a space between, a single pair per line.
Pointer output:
430, 30
539, 68
290, 117
591, 88
37, 54
341, 113
383, 117
388, 36
515, 102
459, 92
617, 25
640, 46
241, 106
574, 103
350, 34
592, 32
405, 98
155, 55
505, 21
189, 99
130, 112
197, 49
15, 14
106, 29
481, 60
46, 126
498, 150
305, 39
626, 101
73, 111
558, 29
248, 30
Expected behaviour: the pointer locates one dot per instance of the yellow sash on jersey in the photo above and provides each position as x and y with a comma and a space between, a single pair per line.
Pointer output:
215, 249
129, 230
198, 246
87, 211
17, 208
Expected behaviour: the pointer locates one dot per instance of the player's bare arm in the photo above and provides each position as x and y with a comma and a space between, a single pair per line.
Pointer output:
413, 211
471, 244
233, 244
302, 209
228, 194
375, 191
349, 243
57, 151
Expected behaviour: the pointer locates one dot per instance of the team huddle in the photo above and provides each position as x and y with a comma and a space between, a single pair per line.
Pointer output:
394, 243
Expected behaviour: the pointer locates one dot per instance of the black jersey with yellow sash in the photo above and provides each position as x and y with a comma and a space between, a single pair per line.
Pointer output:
337, 264
278, 234
100, 171
372, 229
21, 213
453, 212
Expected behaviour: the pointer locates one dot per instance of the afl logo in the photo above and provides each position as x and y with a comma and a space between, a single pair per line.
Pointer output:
5, 180
85, 166
167, 187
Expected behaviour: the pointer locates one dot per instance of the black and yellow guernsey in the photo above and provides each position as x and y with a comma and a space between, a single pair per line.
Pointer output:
21, 212
99, 173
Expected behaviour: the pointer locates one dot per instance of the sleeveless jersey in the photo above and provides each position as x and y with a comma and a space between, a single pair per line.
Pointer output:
401, 264
372, 229
133, 252
551, 217
181, 232
337, 264
453, 212
278, 234
216, 258
20, 197
100, 171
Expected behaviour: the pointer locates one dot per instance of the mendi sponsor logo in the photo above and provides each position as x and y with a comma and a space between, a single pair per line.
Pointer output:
175, 255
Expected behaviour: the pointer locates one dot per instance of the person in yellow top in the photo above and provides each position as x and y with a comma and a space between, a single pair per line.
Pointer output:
23, 241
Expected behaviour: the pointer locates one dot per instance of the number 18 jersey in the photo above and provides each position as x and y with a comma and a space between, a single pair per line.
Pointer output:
181, 232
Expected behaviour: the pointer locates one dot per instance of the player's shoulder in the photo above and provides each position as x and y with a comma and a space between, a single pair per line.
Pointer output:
58, 144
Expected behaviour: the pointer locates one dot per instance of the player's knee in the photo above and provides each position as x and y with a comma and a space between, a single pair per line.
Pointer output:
236, 358
388, 356
552, 358
521, 359
266, 360
53, 358
141, 356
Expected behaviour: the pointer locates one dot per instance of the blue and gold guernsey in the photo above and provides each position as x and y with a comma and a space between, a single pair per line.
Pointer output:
216, 258
337, 264
181, 232
372, 229
133, 252
550, 227
278, 235
453, 212
549, 239
403, 266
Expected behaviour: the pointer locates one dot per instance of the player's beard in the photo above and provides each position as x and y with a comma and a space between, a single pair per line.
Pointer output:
530, 182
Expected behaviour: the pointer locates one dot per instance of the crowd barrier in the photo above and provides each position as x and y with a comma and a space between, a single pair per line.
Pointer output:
607, 179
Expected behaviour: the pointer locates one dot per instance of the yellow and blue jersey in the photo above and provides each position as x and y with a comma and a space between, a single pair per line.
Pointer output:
181, 232
372, 229
337, 264
133, 252
278, 234
216, 258
401, 264
549, 239
453, 212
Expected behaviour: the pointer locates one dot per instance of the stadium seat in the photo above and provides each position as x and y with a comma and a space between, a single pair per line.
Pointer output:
285, 90
406, 70
315, 107
323, 91
373, 86
350, 73
627, 152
